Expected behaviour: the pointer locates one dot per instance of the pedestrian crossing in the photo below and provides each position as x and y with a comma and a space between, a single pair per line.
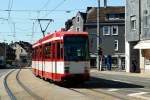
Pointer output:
134, 93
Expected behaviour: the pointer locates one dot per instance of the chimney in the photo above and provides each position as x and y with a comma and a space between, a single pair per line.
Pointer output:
105, 3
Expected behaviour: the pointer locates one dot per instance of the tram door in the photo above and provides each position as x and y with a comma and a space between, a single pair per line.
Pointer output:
54, 61
36, 61
43, 61
38, 55
40, 62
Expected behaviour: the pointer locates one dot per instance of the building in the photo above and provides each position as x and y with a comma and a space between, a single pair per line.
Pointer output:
2, 55
112, 32
7, 54
77, 22
137, 35
23, 52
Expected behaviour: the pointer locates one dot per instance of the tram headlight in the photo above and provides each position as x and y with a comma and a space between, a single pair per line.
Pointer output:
66, 69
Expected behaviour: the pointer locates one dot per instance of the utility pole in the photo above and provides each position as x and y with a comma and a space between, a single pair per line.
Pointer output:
98, 37
14, 35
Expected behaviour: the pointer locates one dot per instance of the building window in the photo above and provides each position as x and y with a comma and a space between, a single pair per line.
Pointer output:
114, 30
145, 19
119, 16
78, 19
77, 29
116, 45
106, 30
133, 22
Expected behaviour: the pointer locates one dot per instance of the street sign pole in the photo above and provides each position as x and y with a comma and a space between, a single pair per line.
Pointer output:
98, 37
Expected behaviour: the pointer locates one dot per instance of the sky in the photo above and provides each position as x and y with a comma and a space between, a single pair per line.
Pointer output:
18, 17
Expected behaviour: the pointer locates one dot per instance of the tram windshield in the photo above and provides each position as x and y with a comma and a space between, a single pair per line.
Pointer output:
76, 48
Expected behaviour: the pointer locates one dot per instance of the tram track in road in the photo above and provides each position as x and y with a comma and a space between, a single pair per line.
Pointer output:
97, 93
26, 88
10, 91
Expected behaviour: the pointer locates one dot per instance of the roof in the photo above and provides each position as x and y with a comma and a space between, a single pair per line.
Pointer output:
83, 15
92, 13
59, 34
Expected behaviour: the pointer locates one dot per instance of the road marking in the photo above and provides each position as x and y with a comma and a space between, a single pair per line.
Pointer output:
139, 95
123, 81
92, 70
112, 90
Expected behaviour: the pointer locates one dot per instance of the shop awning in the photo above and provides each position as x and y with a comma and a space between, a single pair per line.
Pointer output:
143, 45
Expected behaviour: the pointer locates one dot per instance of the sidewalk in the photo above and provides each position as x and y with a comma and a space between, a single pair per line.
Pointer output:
144, 74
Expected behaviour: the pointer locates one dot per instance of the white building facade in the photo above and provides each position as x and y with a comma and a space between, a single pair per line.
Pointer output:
138, 35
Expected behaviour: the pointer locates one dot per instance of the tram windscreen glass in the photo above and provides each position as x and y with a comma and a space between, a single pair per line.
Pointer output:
76, 48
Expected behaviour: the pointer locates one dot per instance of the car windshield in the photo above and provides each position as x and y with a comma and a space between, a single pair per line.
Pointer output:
76, 48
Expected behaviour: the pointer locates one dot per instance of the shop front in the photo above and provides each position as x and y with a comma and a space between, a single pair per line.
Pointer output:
144, 47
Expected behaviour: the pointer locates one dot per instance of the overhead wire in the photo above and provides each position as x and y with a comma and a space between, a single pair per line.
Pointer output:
41, 10
9, 2
58, 5
10, 5
46, 4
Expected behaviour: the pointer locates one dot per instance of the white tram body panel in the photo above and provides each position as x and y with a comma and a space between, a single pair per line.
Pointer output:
77, 67
50, 67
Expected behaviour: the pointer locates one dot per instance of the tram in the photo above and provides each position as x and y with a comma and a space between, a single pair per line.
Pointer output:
62, 56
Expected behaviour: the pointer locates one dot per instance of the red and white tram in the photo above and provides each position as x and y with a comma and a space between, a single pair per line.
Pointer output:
62, 56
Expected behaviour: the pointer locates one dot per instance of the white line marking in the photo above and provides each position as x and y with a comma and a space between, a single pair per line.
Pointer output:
139, 95
92, 70
112, 90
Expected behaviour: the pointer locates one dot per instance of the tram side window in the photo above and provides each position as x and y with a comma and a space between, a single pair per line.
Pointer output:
47, 51
36, 53
58, 51
33, 54
53, 56
61, 50
40, 52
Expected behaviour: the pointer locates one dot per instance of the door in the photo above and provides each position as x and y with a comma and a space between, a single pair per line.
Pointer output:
54, 72
37, 62
43, 61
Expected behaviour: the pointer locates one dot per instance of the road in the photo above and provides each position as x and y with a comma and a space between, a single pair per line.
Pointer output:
122, 85
3, 71
101, 86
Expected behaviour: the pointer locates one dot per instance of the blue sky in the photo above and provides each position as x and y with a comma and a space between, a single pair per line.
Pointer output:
19, 22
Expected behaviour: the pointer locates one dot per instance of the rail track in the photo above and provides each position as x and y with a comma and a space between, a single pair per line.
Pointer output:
25, 88
8, 90
97, 93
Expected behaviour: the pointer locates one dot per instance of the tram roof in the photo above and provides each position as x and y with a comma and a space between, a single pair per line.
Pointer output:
59, 34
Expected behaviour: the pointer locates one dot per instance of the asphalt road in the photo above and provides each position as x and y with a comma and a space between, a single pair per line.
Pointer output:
101, 86
3, 71
120, 85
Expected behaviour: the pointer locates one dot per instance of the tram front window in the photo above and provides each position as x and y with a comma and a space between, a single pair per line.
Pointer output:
76, 48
